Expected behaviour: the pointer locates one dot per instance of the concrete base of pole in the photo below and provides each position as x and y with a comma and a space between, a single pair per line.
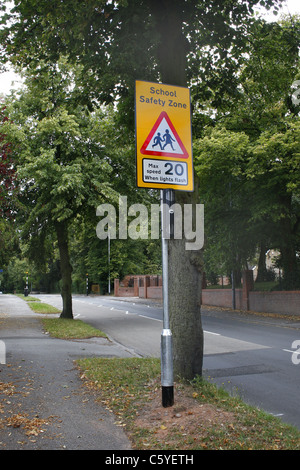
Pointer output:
167, 396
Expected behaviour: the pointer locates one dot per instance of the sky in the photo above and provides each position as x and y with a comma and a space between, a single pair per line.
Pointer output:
288, 6
9, 80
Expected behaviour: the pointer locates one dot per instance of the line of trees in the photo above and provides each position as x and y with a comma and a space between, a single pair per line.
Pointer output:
71, 131
68, 160
249, 164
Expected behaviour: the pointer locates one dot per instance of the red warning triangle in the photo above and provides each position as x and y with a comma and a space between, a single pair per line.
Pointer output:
163, 140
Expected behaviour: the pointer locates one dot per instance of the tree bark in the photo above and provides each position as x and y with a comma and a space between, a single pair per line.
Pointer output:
291, 274
185, 279
262, 267
185, 267
61, 229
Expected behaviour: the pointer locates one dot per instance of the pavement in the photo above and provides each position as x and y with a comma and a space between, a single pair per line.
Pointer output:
44, 404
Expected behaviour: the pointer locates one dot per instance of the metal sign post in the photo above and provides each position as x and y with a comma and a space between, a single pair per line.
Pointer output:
167, 200
164, 160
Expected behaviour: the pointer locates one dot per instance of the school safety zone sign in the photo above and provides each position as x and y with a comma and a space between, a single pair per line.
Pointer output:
163, 137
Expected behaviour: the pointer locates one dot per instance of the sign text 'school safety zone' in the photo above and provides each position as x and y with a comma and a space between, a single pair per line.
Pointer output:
163, 137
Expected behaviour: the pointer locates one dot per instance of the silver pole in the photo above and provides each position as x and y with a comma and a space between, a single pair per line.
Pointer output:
166, 334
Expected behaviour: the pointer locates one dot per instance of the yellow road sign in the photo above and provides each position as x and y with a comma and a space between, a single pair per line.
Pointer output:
164, 156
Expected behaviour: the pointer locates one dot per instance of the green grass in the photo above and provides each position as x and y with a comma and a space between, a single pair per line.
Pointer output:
40, 307
127, 387
37, 306
122, 384
64, 328
29, 298
267, 286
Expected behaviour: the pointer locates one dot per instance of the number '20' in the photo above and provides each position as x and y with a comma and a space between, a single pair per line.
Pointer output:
178, 168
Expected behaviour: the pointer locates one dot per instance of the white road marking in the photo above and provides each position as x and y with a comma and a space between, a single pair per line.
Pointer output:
149, 318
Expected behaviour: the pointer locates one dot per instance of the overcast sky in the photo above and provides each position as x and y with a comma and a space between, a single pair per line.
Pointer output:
9, 80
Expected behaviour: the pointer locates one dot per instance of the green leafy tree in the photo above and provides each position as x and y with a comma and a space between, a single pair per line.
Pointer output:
273, 122
7, 170
275, 166
252, 197
8, 238
62, 169
118, 42
220, 159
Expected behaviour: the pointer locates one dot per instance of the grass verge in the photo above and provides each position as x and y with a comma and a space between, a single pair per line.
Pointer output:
40, 307
37, 306
64, 328
203, 416
28, 298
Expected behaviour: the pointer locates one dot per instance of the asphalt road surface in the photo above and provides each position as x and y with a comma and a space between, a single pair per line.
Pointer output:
249, 355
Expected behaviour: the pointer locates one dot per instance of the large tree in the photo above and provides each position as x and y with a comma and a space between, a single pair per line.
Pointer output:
8, 239
7, 169
164, 40
61, 165
251, 191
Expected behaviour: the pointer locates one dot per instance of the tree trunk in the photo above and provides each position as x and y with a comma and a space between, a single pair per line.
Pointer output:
65, 268
291, 274
184, 267
185, 277
262, 266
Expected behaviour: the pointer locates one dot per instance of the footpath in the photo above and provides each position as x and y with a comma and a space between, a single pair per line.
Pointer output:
43, 402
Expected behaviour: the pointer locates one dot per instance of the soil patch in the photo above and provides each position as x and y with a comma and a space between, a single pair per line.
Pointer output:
187, 418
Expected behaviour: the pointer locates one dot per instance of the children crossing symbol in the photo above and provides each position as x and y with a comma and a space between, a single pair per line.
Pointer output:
163, 140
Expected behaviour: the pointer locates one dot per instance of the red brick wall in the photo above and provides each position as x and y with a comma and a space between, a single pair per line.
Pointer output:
281, 302
126, 292
221, 297
154, 292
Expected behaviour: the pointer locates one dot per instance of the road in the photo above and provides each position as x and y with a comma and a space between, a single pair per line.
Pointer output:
248, 355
